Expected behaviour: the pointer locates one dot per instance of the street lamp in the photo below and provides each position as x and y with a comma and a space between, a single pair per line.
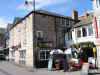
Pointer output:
34, 39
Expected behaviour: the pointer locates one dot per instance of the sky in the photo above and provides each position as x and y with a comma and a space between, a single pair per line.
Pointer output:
15, 8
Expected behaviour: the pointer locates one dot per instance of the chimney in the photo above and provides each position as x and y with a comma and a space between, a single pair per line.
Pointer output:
74, 15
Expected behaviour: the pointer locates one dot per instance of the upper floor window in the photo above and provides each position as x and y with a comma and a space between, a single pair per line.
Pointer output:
24, 37
78, 33
39, 34
19, 28
63, 21
57, 21
98, 3
67, 22
98, 23
84, 31
69, 36
90, 30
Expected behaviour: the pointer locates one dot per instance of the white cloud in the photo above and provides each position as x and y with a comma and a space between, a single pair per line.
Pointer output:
43, 3
3, 22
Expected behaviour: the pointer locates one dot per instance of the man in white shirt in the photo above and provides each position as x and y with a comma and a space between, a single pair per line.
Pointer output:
68, 53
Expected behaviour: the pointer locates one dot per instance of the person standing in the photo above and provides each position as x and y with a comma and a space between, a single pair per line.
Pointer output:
68, 53
64, 63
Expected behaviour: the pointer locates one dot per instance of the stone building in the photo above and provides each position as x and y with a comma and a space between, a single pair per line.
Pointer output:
2, 42
32, 37
2, 33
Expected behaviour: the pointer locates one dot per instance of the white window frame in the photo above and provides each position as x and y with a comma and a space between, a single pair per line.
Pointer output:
97, 3
90, 25
86, 31
45, 55
98, 24
77, 31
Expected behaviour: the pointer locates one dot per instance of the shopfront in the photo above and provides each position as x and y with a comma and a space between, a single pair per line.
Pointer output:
44, 54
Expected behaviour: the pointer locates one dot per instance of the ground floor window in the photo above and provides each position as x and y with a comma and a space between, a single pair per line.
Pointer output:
22, 57
12, 55
44, 54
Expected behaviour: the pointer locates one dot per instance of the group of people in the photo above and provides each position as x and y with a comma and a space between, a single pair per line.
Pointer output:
72, 55
69, 54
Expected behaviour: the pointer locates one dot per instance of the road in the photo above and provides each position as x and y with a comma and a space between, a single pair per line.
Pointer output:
7, 68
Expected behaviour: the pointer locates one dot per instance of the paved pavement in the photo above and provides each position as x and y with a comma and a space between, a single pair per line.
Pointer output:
7, 68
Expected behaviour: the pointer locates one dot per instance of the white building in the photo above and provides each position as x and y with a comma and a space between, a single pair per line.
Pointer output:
83, 31
96, 8
87, 29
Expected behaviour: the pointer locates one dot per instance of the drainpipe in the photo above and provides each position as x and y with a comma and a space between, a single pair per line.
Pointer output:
96, 27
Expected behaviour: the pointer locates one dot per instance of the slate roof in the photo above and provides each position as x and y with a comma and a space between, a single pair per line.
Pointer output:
39, 12
17, 19
52, 13
84, 21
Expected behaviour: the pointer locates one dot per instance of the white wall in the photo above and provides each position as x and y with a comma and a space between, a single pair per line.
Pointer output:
75, 39
96, 7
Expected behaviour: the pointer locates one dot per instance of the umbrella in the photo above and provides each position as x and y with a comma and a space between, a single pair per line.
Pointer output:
58, 51
52, 51
68, 51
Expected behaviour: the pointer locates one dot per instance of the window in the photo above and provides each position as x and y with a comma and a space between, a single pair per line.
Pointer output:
1, 52
84, 31
44, 54
70, 22
98, 22
39, 34
67, 22
69, 36
19, 28
22, 57
24, 38
78, 33
63, 21
13, 55
22, 54
57, 21
90, 30
98, 3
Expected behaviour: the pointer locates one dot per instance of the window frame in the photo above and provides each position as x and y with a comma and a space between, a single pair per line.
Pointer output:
78, 34
38, 35
83, 33
45, 55
97, 3
22, 58
90, 30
